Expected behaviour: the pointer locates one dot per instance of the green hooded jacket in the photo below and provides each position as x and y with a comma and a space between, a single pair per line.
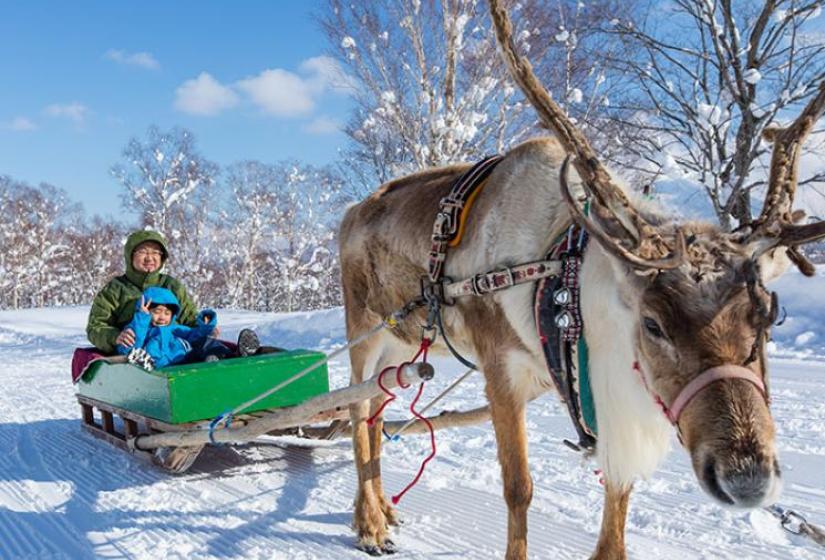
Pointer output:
114, 305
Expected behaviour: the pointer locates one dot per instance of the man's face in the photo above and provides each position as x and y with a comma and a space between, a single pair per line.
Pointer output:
161, 315
147, 257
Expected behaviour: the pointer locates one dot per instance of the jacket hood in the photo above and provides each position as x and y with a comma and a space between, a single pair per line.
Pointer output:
135, 239
161, 296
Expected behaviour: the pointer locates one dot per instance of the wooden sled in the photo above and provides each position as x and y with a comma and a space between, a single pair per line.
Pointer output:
165, 415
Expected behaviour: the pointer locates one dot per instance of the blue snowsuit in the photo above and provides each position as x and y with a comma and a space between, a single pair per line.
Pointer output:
172, 343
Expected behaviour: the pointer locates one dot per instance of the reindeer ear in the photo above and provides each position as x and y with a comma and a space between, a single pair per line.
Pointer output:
773, 264
632, 281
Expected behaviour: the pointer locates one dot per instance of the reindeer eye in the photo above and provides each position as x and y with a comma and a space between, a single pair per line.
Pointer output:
653, 328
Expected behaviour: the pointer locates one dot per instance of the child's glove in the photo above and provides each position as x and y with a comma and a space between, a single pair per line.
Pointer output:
140, 358
207, 317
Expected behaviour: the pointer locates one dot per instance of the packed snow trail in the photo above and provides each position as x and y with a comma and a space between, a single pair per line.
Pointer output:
65, 494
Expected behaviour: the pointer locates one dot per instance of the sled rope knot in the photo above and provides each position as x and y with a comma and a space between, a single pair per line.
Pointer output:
225, 419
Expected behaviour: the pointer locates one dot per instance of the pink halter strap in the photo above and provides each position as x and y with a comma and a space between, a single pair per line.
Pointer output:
707, 377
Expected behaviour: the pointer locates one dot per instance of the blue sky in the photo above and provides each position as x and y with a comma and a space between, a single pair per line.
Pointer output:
79, 79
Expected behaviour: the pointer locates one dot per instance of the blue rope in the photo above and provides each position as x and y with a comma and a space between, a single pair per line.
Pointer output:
214, 424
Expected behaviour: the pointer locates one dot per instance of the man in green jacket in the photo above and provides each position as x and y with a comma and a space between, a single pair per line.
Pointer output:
114, 306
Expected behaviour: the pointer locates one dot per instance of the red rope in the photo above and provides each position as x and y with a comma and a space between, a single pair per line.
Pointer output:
391, 395
397, 497
422, 353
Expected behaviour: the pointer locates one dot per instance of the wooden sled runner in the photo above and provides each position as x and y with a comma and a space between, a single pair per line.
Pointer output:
165, 415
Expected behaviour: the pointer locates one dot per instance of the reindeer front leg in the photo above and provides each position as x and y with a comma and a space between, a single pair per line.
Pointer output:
511, 436
614, 514
369, 521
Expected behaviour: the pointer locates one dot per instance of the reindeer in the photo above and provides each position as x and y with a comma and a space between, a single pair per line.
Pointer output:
674, 312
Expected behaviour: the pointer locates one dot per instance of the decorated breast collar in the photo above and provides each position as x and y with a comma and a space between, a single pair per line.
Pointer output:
557, 313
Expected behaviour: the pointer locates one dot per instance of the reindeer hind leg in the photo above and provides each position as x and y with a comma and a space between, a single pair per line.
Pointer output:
369, 521
394, 354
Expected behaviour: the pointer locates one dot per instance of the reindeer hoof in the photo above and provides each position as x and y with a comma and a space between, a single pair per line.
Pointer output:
386, 547
371, 549
389, 547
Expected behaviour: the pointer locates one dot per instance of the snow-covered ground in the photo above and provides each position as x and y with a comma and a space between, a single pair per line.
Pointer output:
65, 494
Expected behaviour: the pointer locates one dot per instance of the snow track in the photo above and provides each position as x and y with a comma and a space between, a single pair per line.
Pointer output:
65, 494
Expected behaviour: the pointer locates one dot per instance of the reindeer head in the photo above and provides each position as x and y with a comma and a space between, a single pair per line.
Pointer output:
703, 313
700, 337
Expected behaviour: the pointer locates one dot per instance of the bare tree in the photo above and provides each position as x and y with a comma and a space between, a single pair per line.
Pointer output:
430, 88
712, 76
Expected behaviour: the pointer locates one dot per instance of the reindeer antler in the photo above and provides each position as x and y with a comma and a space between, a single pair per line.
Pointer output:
776, 223
608, 243
609, 202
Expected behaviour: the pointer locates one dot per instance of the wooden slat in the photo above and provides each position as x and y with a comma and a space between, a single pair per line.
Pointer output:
108, 421
88, 414
131, 427
157, 425
116, 441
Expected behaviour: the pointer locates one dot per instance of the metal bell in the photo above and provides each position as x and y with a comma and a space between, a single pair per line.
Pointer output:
562, 296
564, 320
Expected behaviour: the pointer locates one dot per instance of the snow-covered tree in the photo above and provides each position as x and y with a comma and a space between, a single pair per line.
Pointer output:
310, 206
431, 89
95, 257
34, 260
712, 75
169, 184
281, 220
250, 222
160, 174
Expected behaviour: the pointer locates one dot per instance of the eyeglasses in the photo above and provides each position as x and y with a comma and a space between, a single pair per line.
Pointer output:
148, 253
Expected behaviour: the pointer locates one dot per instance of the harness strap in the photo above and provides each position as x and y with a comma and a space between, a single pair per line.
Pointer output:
499, 279
449, 221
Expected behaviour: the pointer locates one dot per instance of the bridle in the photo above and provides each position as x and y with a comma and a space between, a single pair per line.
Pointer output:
673, 412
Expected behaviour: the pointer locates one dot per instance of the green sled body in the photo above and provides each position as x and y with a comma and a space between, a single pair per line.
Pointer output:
201, 391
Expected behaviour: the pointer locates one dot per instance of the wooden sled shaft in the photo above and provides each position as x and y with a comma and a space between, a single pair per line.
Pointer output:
410, 374
447, 419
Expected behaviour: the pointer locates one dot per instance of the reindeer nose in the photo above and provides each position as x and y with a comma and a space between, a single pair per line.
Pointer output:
751, 483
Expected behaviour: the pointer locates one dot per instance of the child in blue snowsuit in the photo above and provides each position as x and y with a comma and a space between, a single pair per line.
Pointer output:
159, 337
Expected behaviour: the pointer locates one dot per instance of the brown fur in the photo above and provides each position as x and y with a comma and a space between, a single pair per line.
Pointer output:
611, 537
383, 257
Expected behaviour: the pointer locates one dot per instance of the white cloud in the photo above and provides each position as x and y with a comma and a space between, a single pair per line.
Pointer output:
275, 91
287, 94
280, 92
323, 125
324, 72
75, 111
141, 59
204, 96
21, 124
